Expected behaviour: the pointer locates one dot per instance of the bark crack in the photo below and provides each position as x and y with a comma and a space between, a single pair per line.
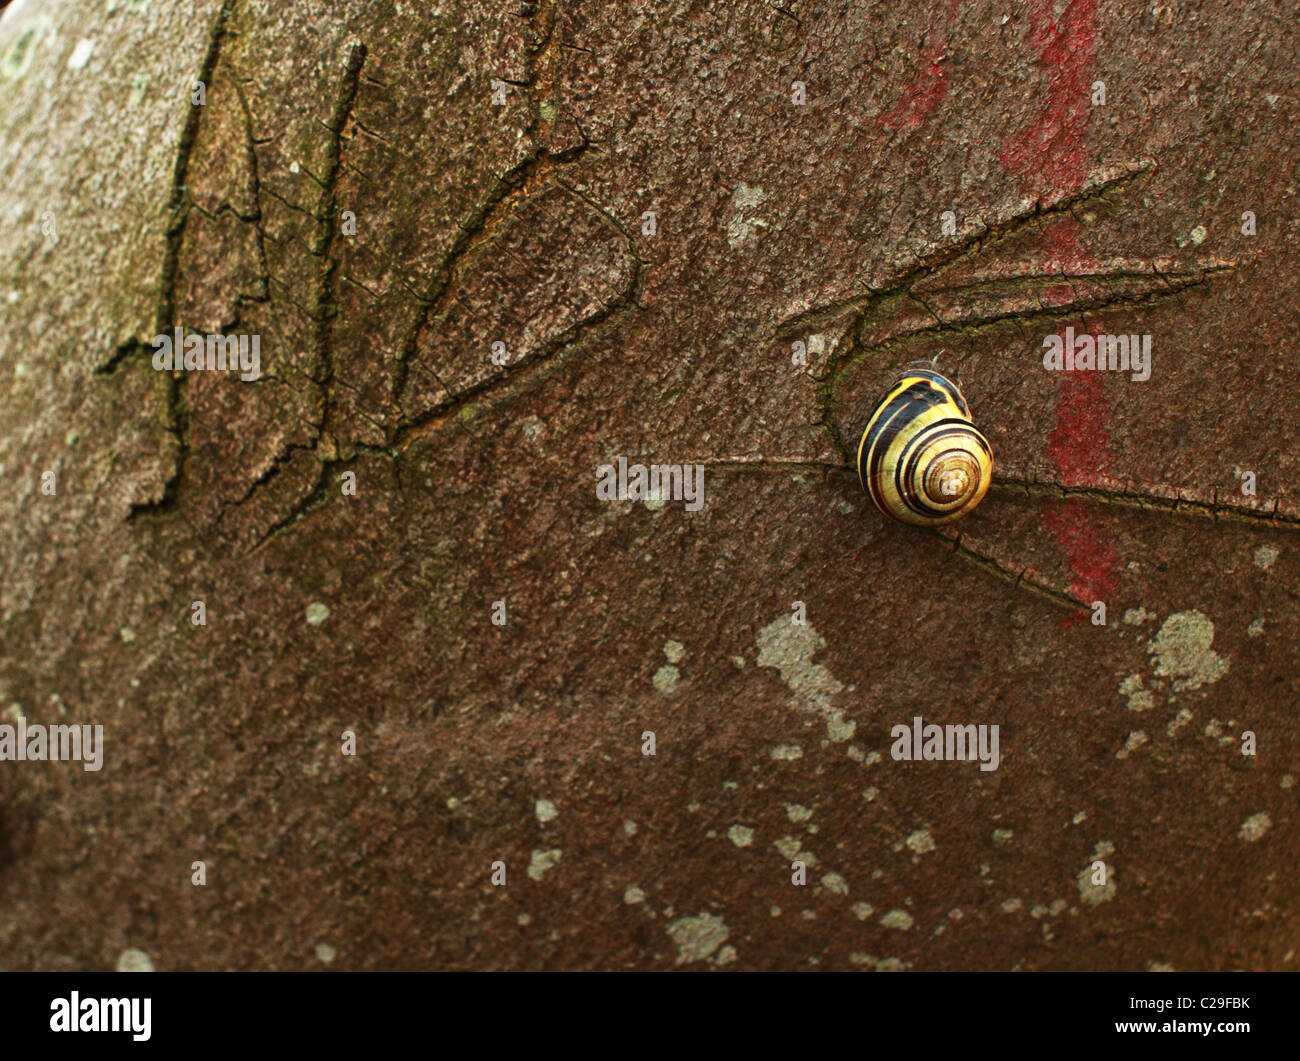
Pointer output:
177, 212
874, 308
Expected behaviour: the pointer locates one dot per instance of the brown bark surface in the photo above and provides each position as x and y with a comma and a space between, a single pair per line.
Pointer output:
523, 221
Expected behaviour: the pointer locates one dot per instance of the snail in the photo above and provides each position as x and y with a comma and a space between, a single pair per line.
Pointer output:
920, 458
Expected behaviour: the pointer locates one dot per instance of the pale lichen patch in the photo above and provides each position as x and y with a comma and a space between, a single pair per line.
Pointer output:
1135, 740
697, 937
921, 841
1176, 723
789, 647
744, 224
835, 884
1255, 827
1139, 699
1181, 650
541, 861
1097, 892
665, 679
134, 960
840, 729
791, 849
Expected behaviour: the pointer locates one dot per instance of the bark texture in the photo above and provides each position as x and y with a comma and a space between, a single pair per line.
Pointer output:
634, 201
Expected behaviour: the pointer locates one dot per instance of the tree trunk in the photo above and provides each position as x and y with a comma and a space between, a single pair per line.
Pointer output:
486, 253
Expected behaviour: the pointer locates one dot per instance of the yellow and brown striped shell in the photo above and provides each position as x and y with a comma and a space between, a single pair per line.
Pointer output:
920, 458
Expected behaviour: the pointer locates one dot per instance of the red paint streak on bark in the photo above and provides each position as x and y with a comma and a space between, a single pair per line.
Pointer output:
1077, 446
922, 97
1052, 153
1087, 542
1053, 148
1066, 253
1058, 295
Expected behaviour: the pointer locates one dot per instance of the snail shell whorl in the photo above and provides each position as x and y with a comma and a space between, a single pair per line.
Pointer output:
920, 458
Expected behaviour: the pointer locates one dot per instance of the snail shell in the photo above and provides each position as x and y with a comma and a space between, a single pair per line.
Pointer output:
920, 458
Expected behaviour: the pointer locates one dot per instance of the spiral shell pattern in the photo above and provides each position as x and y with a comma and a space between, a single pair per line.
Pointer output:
920, 458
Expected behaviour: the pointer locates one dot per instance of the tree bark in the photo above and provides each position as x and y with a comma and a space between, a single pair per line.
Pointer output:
487, 249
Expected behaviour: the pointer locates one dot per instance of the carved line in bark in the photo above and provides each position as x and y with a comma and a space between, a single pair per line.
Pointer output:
518, 378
